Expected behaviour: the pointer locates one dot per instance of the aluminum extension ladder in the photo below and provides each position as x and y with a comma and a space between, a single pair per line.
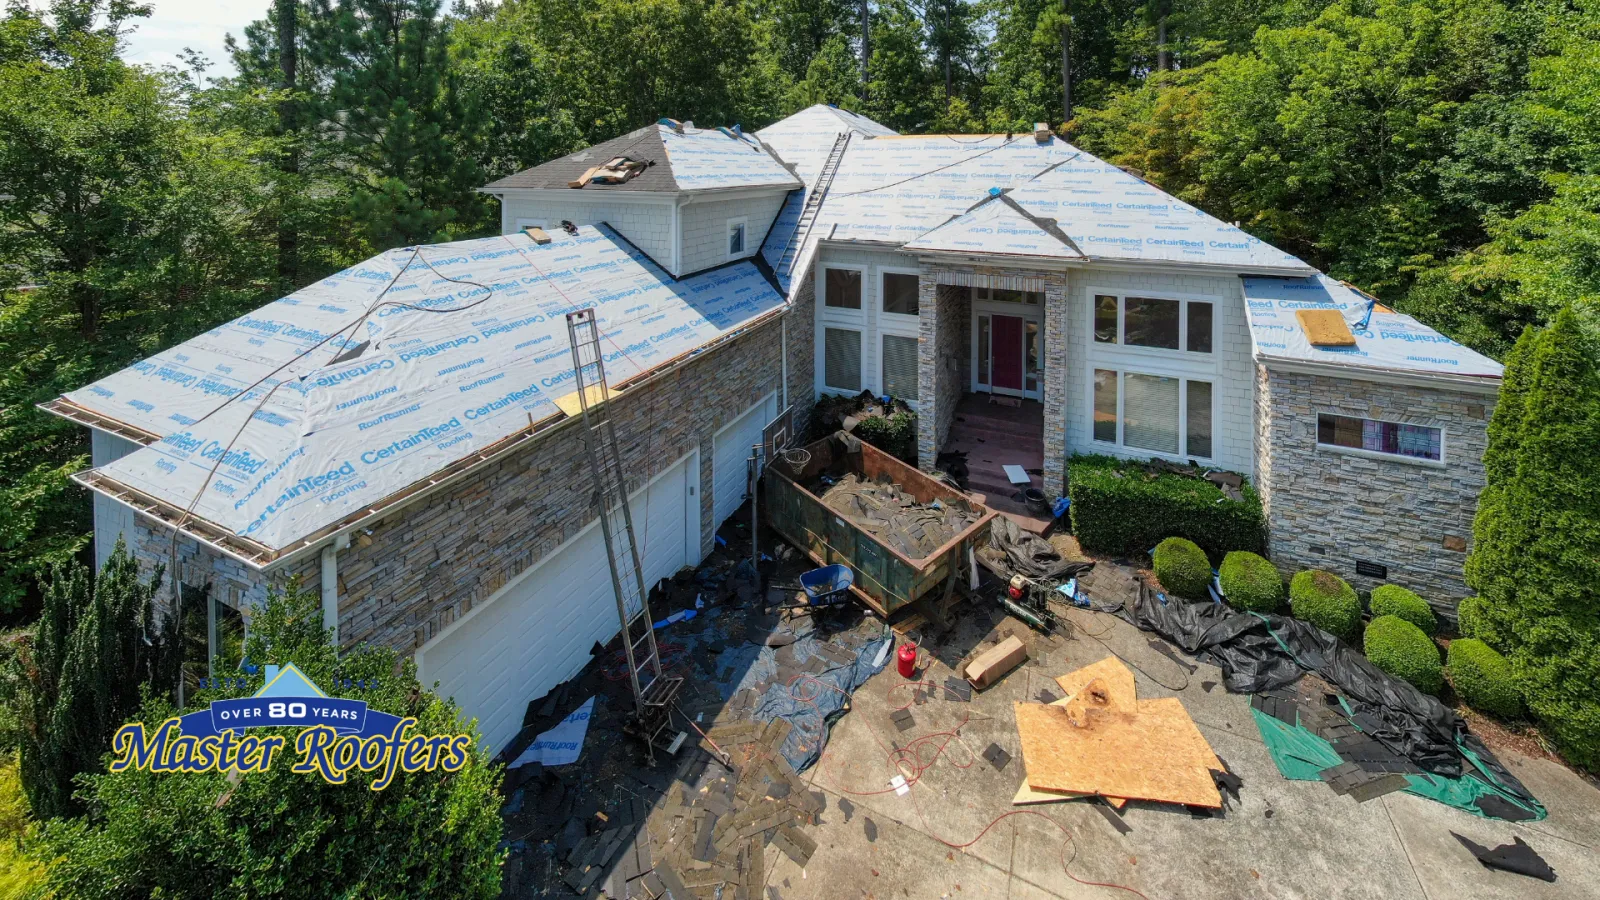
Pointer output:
819, 192
653, 691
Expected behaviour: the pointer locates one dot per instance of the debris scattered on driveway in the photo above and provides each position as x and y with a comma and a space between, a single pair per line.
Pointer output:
1101, 739
1515, 857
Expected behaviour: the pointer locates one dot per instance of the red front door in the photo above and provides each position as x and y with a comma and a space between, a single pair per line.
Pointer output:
1006, 353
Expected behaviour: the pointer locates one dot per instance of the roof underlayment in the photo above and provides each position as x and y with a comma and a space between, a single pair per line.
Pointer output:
457, 369
893, 189
697, 159
1385, 341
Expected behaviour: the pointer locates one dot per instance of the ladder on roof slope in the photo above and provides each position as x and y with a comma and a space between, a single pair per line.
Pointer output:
653, 691
808, 214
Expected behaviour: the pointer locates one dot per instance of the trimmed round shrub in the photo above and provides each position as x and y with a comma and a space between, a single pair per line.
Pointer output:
1483, 678
1404, 651
1182, 568
1250, 582
1326, 601
1394, 600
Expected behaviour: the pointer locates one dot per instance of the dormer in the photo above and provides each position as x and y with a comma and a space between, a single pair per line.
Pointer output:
689, 198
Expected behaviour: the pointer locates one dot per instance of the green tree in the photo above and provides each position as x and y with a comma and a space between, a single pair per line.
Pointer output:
284, 834
397, 128
78, 677
124, 229
1536, 556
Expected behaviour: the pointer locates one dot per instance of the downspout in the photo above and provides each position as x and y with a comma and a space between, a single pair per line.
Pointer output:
330, 585
783, 348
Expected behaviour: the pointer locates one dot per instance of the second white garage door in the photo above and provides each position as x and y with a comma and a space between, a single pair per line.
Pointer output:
730, 463
537, 631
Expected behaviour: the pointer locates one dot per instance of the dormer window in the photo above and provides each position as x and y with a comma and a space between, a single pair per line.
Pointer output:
736, 237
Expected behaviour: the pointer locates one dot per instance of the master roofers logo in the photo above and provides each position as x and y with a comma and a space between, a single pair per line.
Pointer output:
336, 735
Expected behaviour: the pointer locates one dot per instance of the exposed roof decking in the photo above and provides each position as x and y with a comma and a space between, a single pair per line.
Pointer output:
434, 388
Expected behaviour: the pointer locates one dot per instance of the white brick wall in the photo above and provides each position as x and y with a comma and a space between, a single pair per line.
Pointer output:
704, 227
1229, 368
647, 224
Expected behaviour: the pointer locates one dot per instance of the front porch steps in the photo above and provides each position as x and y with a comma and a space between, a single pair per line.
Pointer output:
994, 436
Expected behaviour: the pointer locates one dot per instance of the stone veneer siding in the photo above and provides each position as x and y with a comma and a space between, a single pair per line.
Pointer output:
938, 359
418, 569
1326, 509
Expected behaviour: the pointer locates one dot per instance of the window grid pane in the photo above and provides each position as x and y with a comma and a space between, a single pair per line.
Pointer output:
1150, 413
1105, 405
900, 294
900, 366
1105, 319
842, 359
1198, 411
1150, 323
1199, 340
842, 288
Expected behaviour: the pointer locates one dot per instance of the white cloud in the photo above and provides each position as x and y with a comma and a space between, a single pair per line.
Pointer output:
194, 24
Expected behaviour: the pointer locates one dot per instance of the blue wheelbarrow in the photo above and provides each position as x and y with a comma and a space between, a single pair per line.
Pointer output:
827, 586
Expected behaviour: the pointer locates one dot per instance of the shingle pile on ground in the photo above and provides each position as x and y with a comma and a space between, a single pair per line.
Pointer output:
893, 516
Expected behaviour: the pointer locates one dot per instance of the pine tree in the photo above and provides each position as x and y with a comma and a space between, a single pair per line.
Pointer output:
1537, 560
80, 677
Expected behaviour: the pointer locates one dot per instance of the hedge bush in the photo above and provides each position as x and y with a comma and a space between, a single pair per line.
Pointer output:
1473, 620
1326, 601
1394, 600
1401, 649
1182, 568
894, 434
1120, 507
1483, 678
1250, 582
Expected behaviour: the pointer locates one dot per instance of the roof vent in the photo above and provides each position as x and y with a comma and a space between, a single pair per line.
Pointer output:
1041, 132
1325, 327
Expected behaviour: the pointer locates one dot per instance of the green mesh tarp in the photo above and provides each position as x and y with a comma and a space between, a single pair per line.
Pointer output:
1301, 756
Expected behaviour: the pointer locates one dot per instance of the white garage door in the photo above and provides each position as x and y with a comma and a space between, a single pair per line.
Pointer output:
730, 466
536, 633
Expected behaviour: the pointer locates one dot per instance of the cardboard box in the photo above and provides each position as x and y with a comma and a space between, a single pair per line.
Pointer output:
995, 662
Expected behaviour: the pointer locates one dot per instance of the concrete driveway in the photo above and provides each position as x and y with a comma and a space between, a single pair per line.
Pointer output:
945, 837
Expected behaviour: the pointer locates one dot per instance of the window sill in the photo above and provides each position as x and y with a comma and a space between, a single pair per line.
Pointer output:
1137, 453
1381, 457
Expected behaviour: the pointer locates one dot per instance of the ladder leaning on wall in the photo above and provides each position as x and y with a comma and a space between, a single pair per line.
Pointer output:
653, 691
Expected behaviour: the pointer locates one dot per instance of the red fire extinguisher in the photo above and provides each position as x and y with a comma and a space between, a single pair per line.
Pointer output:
907, 659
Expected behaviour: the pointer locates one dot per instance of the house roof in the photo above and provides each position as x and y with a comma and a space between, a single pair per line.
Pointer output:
894, 189
322, 405
694, 160
1385, 341
999, 226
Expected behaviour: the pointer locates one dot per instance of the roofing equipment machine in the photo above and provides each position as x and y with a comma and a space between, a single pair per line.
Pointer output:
886, 579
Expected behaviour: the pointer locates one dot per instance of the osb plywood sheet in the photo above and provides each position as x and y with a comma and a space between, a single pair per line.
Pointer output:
1325, 327
1195, 742
1026, 795
1148, 755
1118, 677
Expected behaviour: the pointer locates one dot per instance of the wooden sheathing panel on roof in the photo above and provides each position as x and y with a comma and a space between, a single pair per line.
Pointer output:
1325, 327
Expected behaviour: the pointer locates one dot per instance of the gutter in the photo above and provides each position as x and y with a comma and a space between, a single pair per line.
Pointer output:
1487, 385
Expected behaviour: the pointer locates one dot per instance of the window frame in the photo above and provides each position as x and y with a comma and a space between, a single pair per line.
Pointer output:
855, 316
1119, 446
883, 380
727, 237
1364, 453
1120, 346
894, 317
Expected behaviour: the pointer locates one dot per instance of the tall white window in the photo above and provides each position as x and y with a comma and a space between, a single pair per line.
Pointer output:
737, 237
841, 359
1153, 413
841, 288
900, 366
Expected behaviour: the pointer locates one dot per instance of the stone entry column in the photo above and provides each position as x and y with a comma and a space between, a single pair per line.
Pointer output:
1055, 385
928, 365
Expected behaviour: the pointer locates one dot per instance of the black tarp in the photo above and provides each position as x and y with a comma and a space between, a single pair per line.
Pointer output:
1262, 652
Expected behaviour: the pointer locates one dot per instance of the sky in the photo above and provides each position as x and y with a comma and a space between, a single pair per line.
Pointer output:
197, 24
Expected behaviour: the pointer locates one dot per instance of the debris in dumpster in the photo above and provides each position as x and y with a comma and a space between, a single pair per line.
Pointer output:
894, 517
994, 663
1103, 740
1515, 857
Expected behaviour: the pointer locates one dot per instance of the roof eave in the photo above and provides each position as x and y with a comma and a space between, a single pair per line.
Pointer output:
1488, 385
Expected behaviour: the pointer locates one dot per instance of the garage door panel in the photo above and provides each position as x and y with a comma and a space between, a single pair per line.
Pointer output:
539, 631
730, 470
